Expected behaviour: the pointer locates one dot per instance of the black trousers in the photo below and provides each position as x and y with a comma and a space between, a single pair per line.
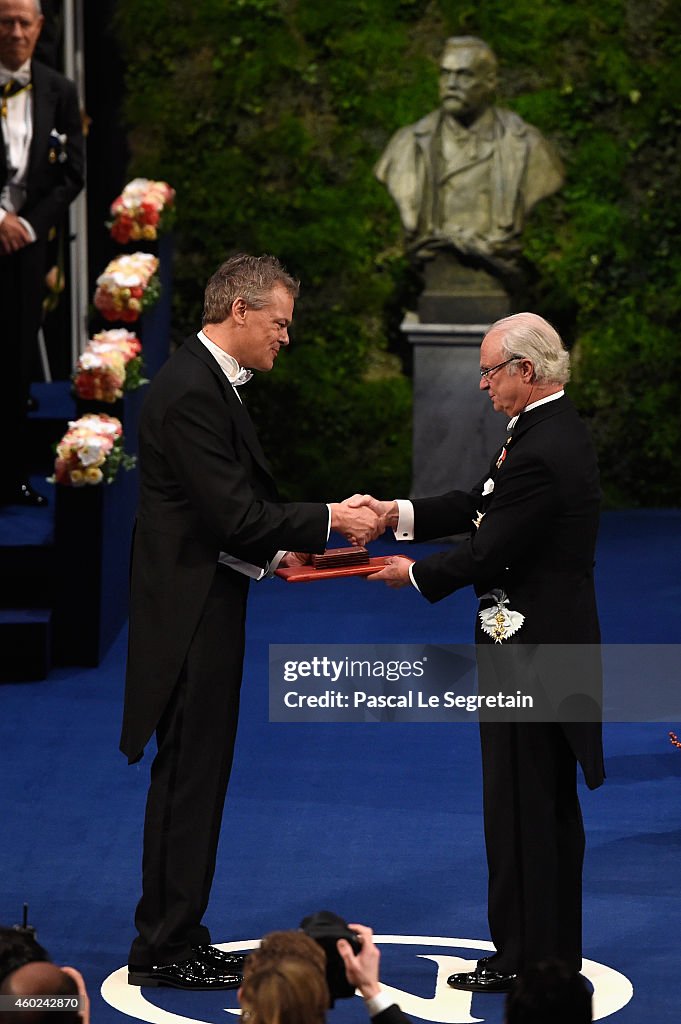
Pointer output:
21, 293
534, 837
189, 777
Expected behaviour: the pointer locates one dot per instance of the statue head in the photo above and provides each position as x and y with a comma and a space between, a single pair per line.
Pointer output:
468, 77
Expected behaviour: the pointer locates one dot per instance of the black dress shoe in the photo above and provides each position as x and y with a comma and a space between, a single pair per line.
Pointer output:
482, 980
23, 494
218, 958
190, 974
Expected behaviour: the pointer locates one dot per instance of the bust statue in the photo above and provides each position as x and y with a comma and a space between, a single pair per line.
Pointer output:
465, 176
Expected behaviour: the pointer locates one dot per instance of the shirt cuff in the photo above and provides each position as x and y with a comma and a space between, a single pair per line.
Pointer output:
328, 525
405, 520
256, 572
29, 228
274, 564
378, 1003
411, 577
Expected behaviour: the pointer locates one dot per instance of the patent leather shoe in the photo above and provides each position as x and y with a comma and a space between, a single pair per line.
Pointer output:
482, 980
24, 495
230, 962
195, 974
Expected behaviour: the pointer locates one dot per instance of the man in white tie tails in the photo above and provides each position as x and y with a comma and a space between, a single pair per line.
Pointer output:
532, 523
209, 521
41, 172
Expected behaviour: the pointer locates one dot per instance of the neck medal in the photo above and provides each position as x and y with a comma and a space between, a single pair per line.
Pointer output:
498, 621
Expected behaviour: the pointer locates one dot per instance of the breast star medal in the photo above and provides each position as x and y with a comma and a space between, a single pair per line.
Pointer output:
479, 516
498, 621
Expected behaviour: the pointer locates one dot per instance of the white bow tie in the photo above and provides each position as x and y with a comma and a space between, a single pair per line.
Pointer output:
242, 377
22, 76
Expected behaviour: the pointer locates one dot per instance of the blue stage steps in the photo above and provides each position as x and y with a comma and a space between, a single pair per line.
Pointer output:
27, 549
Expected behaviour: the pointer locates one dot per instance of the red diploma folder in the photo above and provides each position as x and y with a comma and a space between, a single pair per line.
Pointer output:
308, 573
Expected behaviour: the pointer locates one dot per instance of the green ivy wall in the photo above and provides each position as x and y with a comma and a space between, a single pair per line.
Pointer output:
267, 116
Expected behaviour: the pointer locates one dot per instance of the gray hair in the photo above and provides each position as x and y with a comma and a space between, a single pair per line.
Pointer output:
529, 335
250, 278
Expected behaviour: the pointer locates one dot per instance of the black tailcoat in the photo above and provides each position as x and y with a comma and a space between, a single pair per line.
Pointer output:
206, 487
54, 178
535, 541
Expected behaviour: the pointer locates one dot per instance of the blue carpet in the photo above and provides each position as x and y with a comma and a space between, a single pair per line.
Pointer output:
380, 822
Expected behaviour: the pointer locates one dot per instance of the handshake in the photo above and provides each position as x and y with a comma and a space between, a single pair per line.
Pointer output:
362, 518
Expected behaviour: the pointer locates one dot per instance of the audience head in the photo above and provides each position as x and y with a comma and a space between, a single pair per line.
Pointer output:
288, 944
39, 978
285, 981
18, 947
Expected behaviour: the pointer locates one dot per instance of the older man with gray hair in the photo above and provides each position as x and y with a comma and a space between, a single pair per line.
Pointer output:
531, 524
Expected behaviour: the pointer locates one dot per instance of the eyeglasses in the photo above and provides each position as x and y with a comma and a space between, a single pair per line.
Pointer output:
486, 373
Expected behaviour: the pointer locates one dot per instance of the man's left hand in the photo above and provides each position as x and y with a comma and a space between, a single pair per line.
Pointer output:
395, 572
294, 559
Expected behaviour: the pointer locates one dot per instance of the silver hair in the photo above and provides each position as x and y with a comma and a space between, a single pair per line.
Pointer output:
529, 335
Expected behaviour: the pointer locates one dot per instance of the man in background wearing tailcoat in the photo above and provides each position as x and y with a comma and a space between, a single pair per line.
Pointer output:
41, 172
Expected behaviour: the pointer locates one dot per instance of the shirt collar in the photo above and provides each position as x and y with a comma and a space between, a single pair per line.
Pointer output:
234, 373
535, 405
22, 75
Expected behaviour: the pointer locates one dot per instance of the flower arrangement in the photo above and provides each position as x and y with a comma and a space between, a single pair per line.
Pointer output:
143, 208
91, 451
110, 365
127, 287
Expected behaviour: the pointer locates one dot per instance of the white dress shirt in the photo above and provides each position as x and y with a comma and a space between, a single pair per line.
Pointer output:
17, 132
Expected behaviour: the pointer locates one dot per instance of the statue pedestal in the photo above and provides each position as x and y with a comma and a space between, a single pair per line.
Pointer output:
454, 293
456, 430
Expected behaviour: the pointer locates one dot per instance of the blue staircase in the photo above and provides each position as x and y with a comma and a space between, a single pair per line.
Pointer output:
27, 550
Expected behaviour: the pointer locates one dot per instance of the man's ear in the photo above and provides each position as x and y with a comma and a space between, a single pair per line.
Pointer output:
239, 308
527, 370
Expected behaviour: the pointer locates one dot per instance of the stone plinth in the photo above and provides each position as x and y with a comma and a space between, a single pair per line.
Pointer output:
460, 294
455, 429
